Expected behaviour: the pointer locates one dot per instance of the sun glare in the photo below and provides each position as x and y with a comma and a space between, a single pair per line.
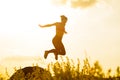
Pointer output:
91, 31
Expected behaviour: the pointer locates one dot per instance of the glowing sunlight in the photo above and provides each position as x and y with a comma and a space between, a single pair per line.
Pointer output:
92, 31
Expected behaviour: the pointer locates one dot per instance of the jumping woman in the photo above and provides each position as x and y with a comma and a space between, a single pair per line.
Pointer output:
57, 40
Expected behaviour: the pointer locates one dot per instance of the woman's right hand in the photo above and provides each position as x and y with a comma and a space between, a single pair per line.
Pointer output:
65, 32
40, 26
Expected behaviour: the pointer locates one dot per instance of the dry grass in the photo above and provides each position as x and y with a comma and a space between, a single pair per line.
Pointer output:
67, 70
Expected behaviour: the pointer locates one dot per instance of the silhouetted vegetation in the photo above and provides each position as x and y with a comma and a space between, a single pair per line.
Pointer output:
1, 77
66, 69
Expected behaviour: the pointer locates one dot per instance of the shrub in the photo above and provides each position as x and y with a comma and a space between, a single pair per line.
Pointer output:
65, 69
31, 73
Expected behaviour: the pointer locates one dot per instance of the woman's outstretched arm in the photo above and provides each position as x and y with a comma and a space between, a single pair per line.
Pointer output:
47, 25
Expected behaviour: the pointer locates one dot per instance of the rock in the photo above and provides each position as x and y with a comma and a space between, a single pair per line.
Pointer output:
31, 73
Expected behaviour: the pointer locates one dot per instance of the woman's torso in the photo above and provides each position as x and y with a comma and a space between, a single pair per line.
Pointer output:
60, 29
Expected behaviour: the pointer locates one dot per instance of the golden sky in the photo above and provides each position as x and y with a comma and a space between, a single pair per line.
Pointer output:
93, 29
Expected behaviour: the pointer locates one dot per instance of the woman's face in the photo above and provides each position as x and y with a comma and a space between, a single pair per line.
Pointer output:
63, 19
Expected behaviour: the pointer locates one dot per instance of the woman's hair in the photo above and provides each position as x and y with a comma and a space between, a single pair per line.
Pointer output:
63, 17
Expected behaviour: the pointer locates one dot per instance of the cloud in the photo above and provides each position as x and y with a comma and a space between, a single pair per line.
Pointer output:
59, 2
21, 58
82, 3
75, 3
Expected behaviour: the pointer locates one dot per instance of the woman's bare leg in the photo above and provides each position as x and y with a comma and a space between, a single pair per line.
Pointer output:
51, 51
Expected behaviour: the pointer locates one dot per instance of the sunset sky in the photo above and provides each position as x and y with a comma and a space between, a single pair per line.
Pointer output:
93, 30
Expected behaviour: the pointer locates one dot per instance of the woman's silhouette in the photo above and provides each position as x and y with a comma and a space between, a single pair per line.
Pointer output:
57, 40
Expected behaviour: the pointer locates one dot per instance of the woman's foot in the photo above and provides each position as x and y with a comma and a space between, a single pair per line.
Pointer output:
46, 54
56, 56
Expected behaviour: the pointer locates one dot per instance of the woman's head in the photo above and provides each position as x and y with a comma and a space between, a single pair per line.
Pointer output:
63, 18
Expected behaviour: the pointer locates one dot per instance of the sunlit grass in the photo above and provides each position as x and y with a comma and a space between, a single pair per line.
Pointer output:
66, 69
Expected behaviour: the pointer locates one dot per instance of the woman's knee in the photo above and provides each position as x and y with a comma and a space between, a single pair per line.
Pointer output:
62, 52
